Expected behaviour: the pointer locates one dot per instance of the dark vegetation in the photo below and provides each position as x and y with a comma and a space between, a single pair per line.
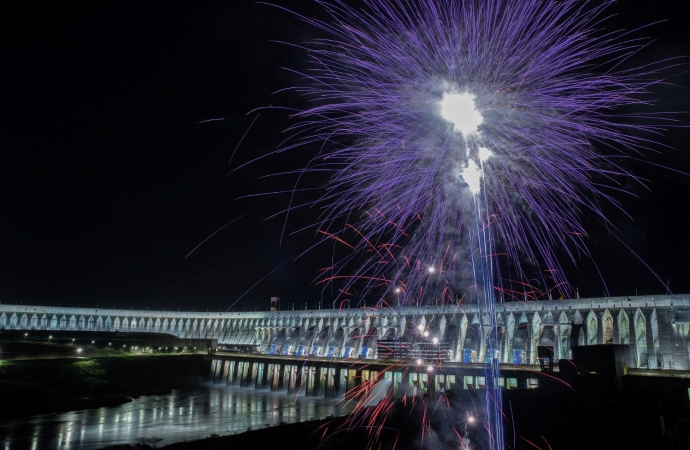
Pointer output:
10, 349
50, 385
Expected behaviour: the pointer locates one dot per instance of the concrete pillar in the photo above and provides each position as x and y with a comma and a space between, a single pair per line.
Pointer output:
245, 377
509, 332
237, 375
232, 370
261, 376
270, 372
330, 382
226, 368
323, 376
279, 371
483, 341
253, 373
674, 356
215, 370
341, 381
294, 377
651, 357
308, 377
352, 379
218, 376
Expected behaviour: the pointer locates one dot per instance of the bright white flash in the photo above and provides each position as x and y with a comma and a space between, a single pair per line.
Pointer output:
472, 175
460, 110
484, 154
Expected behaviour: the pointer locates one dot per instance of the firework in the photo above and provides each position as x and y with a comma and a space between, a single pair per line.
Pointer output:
435, 114
465, 138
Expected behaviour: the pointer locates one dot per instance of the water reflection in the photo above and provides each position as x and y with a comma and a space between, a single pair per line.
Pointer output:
182, 415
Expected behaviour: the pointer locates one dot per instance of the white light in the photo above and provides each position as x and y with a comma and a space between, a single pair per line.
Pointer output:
397, 290
420, 327
472, 175
435, 340
484, 154
460, 110
431, 269
471, 419
78, 350
430, 369
419, 362
426, 334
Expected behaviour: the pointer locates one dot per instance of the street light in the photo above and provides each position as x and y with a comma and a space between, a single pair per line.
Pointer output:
25, 335
435, 340
72, 341
78, 351
430, 369
419, 362
431, 269
49, 338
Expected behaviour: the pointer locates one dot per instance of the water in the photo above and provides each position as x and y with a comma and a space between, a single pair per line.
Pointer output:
182, 415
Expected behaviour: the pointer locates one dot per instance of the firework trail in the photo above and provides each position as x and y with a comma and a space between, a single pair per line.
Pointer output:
435, 114
466, 138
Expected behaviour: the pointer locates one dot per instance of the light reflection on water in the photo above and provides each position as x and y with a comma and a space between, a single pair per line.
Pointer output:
182, 415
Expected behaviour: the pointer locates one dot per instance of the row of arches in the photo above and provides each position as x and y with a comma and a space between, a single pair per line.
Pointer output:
514, 338
470, 337
183, 328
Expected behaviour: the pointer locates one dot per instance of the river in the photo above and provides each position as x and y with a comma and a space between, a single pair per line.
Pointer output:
182, 415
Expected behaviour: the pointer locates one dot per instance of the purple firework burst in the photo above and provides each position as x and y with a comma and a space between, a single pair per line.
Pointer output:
443, 121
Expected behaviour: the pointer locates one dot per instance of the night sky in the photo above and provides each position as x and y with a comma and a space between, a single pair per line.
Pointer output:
108, 180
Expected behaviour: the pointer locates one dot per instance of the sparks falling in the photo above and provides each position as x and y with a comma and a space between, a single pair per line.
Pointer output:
464, 136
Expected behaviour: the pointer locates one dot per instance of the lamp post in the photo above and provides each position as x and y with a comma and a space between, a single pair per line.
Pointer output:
50, 339
25, 335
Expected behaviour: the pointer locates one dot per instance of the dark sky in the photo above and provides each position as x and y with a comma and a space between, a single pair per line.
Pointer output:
108, 180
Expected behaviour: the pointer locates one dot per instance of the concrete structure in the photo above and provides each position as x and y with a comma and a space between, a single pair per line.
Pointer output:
657, 327
326, 377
